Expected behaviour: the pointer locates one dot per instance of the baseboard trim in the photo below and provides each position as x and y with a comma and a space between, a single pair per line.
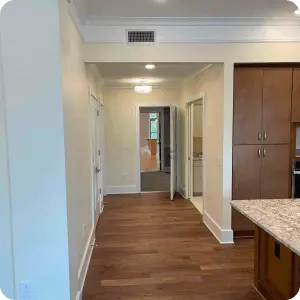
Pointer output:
182, 192
223, 236
85, 262
125, 189
197, 206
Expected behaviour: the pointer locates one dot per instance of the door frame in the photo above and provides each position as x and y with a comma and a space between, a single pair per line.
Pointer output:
188, 146
100, 108
137, 132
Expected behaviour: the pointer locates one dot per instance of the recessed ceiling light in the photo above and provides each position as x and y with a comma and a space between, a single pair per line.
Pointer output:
150, 66
161, 1
143, 89
296, 2
297, 12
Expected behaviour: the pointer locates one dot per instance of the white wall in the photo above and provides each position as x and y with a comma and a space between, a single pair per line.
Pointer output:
144, 129
77, 79
6, 245
33, 97
120, 125
211, 82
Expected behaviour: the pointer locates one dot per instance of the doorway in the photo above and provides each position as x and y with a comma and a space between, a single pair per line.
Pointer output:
97, 155
157, 148
195, 153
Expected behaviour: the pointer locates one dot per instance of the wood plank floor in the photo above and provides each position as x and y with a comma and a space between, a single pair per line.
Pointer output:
148, 162
150, 248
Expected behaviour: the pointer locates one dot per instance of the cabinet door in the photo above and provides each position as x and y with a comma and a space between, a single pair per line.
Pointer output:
246, 181
296, 96
275, 172
277, 103
248, 88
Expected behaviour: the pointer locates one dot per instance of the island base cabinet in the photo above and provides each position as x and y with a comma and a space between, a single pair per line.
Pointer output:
277, 268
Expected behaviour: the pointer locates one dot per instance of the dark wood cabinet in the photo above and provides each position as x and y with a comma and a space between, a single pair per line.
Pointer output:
246, 182
277, 103
296, 96
261, 137
248, 92
276, 268
275, 172
246, 178
259, 172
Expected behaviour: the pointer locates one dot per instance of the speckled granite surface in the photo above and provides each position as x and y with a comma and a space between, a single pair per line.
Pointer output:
280, 218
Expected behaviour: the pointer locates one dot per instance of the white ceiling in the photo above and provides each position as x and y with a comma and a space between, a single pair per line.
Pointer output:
190, 8
129, 74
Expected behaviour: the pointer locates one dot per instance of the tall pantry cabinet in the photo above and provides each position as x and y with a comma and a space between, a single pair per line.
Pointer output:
261, 137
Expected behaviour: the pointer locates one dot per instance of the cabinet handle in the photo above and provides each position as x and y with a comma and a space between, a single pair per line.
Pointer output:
259, 136
265, 135
265, 153
259, 152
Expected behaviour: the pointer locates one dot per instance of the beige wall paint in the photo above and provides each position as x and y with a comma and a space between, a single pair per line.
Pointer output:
77, 79
227, 53
198, 120
211, 82
121, 135
144, 129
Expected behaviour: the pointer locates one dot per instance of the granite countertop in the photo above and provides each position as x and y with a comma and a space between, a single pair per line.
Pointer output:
279, 217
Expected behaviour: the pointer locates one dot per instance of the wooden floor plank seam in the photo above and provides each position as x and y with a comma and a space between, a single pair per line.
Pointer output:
149, 248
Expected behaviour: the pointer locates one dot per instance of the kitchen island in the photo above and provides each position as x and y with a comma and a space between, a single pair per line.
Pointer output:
277, 245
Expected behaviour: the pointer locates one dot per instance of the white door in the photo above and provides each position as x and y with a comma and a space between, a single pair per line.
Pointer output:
191, 149
96, 157
173, 150
102, 155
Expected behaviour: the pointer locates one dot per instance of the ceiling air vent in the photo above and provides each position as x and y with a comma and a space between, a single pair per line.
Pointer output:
140, 36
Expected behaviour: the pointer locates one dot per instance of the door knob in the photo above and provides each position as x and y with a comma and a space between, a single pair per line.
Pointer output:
98, 170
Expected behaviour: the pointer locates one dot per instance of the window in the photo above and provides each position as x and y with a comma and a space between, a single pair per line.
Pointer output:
153, 125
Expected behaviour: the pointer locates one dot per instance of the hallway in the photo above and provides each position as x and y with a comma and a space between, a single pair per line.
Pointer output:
150, 248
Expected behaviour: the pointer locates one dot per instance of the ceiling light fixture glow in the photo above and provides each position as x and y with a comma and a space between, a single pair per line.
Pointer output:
143, 89
297, 12
296, 2
150, 66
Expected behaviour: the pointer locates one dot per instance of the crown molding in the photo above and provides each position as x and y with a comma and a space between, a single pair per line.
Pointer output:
77, 18
131, 21
196, 34
192, 77
187, 30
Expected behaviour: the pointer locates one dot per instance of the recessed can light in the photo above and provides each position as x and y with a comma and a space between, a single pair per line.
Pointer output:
150, 66
143, 89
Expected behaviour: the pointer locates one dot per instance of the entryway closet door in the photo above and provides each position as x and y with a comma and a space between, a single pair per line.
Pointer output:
248, 91
275, 172
277, 104
173, 152
97, 115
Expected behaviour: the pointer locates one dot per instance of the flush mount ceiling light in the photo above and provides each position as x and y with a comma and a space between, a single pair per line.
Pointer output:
297, 12
150, 66
297, 3
143, 89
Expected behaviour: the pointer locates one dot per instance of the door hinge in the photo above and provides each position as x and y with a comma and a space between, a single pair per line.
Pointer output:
100, 190
98, 113
99, 152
